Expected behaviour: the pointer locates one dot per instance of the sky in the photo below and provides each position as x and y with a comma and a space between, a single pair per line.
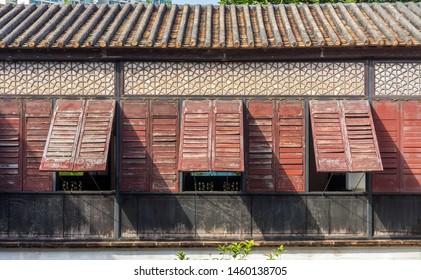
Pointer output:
202, 2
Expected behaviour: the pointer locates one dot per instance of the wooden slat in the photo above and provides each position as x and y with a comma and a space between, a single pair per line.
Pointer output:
10, 145
95, 136
196, 136
344, 136
134, 146
164, 148
260, 164
63, 136
227, 136
36, 126
291, 146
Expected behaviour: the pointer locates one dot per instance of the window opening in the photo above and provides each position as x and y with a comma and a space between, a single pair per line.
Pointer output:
212, 181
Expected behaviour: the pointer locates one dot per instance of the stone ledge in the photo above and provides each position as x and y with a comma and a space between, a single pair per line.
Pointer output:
204, 244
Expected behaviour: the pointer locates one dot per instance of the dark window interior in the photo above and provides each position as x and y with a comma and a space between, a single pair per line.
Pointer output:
212, 181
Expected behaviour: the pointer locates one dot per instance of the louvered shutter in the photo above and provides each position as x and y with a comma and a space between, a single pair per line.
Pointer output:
291, 140
344, 137
10, 144
163, 148
134, 146
196, 136
95, 136
36, 125
261, 146
411, 146
386, 115
63, 136
228, 145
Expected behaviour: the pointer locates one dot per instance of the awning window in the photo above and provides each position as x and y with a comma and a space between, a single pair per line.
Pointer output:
212, 136
344, 137
79, 136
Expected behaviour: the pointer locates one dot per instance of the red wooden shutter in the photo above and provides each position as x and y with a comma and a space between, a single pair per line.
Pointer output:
196, 140
386, 115
36, 126
95, 136
163, 149
328, 136
60, 149
261, 146
411, 146
361, 136
291, 125
228, 143
344, 136
10, 145
134, 146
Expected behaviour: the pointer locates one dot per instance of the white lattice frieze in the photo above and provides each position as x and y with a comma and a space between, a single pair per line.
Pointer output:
402, 79
56, 78
243, 78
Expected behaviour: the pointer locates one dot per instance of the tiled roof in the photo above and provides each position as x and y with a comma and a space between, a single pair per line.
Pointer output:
188, 26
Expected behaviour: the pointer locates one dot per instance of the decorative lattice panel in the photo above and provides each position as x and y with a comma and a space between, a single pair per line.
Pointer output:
239, 78
56, 78
398, 79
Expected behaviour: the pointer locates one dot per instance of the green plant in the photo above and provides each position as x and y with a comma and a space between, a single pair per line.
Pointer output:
236, 250
182, 256
276, 254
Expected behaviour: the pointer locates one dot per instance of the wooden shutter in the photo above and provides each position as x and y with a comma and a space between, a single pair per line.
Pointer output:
411, 146
134, 146
196, 136
228, 145
10, 145
163, 149
291, 140
261, 146
386, 116
36, 126
63, 136
95, 136
344, 137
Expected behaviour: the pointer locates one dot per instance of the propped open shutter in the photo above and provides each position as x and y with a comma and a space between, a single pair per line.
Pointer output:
291, 128
330, 144
386, 116
60, 149
228, 144
196, 137
134, 146
36, 126
95, 136
10, 144
164, 135
261, 146
344, 136
361, 136
411, 146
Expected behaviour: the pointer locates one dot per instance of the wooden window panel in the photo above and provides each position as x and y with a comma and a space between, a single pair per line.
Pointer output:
291, 146
386, 115
36, 126
95, 136
261, 146
164, 148
228, 147
196, 136
135, 172
10, 145
344, 137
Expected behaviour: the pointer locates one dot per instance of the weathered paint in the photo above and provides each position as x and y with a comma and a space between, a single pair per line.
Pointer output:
10, 145
36, 125
344, 137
